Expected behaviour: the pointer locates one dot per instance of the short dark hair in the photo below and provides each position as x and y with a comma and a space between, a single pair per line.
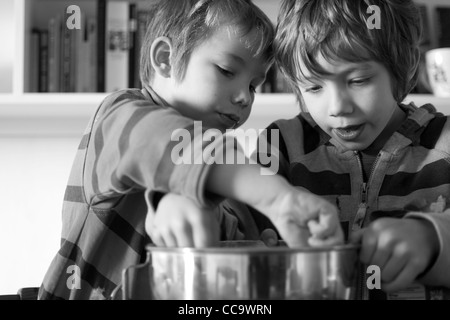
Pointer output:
337, 29
189, 22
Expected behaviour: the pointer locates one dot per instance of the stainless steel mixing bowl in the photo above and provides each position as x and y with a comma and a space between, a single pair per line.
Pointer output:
245, 270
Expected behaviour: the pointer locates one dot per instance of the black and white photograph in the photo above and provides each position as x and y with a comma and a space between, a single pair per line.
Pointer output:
225, 154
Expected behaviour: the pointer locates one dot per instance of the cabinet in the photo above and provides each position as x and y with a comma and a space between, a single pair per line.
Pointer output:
66, 113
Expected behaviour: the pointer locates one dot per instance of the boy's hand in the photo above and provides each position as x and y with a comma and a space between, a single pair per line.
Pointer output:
269, 237
303, 219
402, 248
300, 216
179, 222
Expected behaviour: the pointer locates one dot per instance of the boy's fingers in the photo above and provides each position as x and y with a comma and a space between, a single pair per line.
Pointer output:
269, 237
326, 229
206, 237
331, 237
404, 278
315, 227
157, 240
320, 229
356, 236
169, 240
369, 245
149, 222
330, 241
185, 237
394, 269
206, 229
294, 235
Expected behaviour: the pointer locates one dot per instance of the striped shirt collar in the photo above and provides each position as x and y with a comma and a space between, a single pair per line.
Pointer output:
151, 94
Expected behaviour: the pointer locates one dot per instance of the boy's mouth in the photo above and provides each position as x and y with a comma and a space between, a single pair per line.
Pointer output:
349, 133
230, 120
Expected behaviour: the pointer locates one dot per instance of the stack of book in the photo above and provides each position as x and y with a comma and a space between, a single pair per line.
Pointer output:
102, 55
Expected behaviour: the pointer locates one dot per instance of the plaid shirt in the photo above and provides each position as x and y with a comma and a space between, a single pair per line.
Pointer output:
124, 157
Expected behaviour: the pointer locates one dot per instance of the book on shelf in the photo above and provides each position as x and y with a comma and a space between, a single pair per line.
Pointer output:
43, 61
443, 26
54, 40
92, 34
116, 48
103, 55
101, 26
38, 76
33, 79
68, 58
86, 44
122, 25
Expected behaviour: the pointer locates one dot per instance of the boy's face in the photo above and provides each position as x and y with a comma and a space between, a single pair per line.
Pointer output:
219, 84
354, 104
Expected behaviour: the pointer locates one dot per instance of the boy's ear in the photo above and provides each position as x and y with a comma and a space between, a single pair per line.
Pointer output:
160, 53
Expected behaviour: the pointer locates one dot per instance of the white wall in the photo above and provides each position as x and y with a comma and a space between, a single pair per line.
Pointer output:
33, 175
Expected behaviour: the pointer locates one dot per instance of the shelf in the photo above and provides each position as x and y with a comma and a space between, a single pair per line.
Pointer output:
37, 105
29, 14
65, 114
56, 105
62, 114
56, 115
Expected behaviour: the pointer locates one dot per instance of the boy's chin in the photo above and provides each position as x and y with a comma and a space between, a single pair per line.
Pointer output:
354, 146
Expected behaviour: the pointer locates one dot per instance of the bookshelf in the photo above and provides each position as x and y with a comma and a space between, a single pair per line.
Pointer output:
22, 104
32, 15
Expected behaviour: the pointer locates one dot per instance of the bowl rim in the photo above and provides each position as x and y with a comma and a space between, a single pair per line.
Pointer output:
254, 249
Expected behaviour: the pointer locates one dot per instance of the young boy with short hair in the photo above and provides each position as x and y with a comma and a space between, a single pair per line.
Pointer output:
385, 164
201, 61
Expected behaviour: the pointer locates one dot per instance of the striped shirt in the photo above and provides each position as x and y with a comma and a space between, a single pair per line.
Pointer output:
123, 160
409, 177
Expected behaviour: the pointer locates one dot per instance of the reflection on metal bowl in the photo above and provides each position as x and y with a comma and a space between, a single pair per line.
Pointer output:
245, 270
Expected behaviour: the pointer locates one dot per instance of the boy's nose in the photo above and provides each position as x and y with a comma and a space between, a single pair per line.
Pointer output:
242, 98
340, 103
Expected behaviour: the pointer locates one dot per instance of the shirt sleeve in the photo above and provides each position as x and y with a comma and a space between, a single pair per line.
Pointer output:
438, 274
136, 145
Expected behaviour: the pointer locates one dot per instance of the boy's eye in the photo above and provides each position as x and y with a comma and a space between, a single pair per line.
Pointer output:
225, 72
313, 89
359, 81
252, 89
